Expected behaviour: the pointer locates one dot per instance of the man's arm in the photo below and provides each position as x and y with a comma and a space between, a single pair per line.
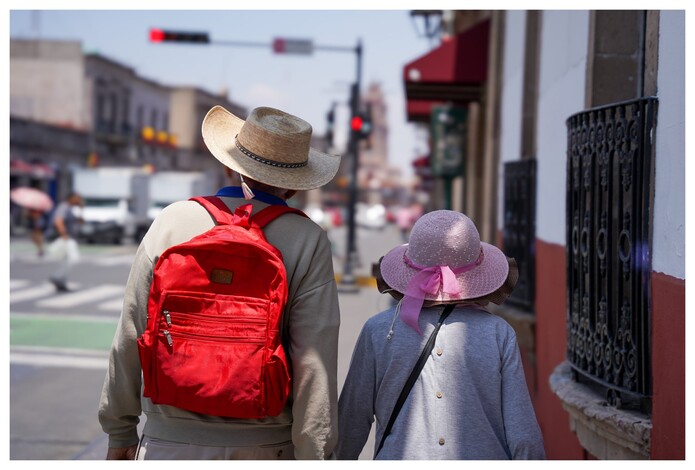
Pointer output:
314, 320
119, 407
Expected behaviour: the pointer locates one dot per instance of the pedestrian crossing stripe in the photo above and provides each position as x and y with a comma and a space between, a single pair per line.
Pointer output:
19, 292
81, 297
32, 293
114, 260
18, 283
114, 305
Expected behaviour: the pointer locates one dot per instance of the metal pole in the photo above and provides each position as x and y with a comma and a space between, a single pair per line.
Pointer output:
348, 279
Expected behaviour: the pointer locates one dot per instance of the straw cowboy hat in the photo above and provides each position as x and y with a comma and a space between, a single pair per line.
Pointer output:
443, 262
271, 147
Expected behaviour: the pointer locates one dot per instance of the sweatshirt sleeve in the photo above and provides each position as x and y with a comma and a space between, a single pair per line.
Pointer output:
119, 406
314, 320
521, 428
356, 404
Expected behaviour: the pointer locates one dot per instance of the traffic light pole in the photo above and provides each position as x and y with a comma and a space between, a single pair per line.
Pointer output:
303, 47
347, 281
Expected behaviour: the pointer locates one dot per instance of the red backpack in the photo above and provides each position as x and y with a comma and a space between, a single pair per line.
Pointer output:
212, 343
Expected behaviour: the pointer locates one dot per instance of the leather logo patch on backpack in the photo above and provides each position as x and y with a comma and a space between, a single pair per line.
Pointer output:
221, 276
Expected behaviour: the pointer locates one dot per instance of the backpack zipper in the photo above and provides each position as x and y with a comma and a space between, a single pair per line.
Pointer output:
242, 339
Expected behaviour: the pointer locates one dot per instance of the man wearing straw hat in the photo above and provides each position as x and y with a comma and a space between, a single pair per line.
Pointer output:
271, 154
441, 375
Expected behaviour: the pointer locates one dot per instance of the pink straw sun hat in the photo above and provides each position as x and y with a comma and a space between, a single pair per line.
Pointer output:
444, 261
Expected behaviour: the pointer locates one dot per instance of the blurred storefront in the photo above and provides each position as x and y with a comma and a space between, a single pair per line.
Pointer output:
561, 162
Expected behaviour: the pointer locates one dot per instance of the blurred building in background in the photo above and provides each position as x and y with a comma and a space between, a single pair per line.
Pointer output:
379, 181
543, 129
69, 109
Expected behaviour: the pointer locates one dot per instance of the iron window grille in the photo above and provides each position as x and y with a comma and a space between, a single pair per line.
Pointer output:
519, 233
609, 201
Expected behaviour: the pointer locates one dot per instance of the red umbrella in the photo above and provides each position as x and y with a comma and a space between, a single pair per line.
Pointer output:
31, 199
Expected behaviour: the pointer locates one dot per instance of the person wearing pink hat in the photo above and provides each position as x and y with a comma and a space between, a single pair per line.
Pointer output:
441, 376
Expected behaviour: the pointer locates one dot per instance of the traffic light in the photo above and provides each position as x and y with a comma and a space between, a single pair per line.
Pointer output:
293, 46
162, 35
361, 125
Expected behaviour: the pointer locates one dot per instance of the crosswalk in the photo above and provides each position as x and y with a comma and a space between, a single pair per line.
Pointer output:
72, 329
108, 297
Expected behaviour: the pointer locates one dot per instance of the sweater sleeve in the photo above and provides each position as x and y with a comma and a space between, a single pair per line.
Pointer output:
520, 425
314, 320
356, 404
119, 406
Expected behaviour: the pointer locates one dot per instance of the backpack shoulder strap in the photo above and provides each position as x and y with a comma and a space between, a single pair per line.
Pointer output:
217, 209
270, 213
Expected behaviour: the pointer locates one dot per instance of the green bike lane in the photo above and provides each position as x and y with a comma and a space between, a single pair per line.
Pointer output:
61, 331
69, 331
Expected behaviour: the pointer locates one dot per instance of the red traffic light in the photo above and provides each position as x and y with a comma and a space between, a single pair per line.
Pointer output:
356, 123
156, 35
162, 35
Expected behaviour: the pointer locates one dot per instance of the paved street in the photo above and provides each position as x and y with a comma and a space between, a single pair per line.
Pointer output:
59, 342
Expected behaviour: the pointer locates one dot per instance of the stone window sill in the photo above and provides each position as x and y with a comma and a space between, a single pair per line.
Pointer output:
604, 431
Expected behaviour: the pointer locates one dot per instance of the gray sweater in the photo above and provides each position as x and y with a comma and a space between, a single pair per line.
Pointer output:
470, 401
312, 318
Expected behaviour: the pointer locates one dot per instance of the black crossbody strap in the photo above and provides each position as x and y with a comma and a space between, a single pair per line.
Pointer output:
414, 375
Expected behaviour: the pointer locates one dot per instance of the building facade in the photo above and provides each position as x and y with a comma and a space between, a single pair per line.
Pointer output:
70, 109
575, 160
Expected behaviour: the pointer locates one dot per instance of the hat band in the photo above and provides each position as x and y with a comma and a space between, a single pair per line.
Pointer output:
430, 280
266, 161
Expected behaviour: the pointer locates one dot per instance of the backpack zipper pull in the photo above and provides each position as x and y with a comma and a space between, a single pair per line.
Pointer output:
168, 337
167, 317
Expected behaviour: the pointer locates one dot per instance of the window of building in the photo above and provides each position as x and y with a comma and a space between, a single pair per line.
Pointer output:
519, 234
609, 174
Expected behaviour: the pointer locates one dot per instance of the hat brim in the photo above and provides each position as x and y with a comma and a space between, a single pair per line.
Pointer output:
480, 281
219, 129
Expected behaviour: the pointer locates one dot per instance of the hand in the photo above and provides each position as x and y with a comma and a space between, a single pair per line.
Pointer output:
121, 453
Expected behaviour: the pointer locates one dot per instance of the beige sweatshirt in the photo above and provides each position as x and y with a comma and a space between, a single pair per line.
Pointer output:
311, 319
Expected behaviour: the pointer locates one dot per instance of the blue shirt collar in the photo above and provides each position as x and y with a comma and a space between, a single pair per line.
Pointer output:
235, 191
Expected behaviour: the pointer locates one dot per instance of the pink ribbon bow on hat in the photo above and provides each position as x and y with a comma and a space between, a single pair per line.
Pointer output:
430, 280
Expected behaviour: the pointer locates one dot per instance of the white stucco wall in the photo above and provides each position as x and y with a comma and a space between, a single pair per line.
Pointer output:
512, 89
561, 89
46, 82
668, 247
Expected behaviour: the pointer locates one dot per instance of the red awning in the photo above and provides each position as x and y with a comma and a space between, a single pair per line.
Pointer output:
422, 166
454, 72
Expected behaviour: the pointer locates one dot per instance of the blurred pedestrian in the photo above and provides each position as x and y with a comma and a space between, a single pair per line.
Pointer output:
63, 230
458, 394
270, 153
37, 223
405, 217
